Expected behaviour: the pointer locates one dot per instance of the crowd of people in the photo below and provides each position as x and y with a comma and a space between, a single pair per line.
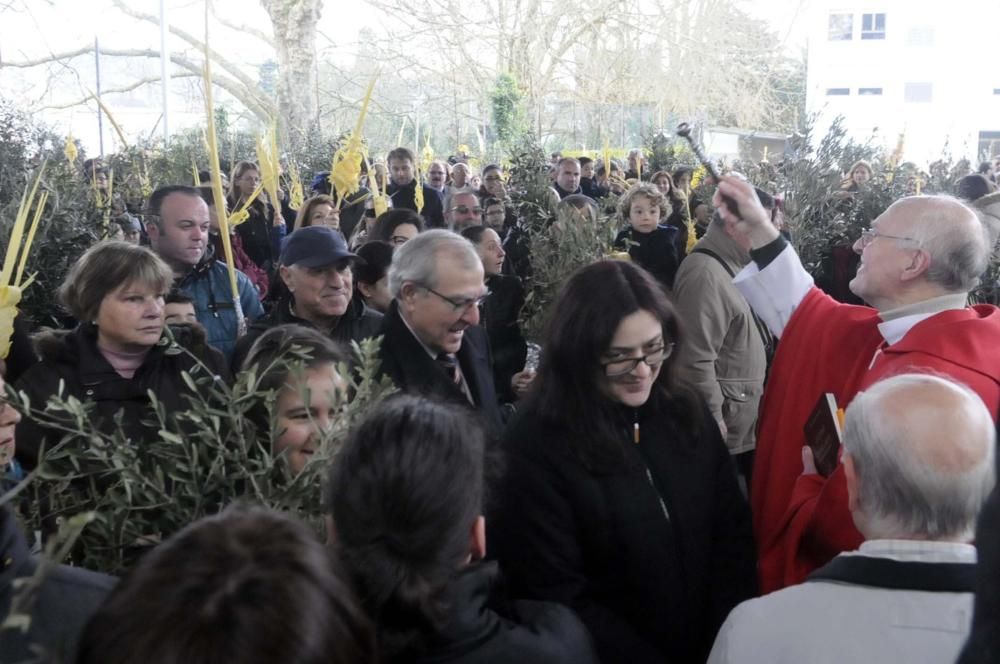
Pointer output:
658, 486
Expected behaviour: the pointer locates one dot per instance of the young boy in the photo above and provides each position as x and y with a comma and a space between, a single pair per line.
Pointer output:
649, 242
178, 309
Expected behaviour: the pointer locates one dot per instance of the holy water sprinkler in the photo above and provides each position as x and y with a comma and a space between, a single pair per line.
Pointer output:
684, 131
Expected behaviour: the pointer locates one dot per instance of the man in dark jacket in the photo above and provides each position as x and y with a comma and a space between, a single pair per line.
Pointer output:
315, 266
432, 342
64, 600
567, 177
403, 186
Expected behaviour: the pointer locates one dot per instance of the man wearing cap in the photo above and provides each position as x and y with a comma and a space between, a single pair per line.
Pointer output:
315, 266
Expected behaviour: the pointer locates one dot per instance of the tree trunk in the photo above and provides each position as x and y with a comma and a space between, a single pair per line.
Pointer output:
294, 24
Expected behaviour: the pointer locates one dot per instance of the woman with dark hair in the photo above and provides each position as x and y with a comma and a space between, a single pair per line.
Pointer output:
406, 496
397, 226
501, 313
249, 585
118, 354
619, 499
297, 369
371, 274
262, 231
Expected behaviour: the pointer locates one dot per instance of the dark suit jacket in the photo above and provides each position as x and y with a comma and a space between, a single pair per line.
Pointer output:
412, 370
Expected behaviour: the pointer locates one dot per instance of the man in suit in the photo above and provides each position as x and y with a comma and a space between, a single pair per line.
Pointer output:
432, 344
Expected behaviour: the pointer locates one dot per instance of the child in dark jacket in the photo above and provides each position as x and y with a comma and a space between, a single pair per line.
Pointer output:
649, 241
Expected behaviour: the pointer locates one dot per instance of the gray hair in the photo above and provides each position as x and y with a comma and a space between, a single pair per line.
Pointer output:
416, 260
449, 198
923, 453
956, 240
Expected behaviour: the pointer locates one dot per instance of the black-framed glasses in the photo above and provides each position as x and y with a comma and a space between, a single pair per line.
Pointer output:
869, 235
460, 305
465, 209
653, 359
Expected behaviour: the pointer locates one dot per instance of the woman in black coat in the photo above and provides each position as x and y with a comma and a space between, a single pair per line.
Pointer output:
619, 499
120, 353
501, 313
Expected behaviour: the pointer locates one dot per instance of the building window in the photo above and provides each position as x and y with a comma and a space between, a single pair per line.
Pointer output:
841, 27
838, 92
918, 92
996, 91
873, 26
869, 92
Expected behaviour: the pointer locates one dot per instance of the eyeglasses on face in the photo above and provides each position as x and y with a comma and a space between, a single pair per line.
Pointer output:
465, 209
653, 359
869, 235
459, 305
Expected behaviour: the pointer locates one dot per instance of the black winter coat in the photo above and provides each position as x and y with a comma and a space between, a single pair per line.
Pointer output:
652, 552
433, 210
501, 312
66, 599
655, 252
482, 630
358, 323
73, 357
413, 370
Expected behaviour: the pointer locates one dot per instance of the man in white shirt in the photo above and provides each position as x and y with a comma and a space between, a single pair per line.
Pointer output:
919, 459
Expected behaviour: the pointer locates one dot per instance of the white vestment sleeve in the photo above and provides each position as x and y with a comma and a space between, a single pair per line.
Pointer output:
776, 291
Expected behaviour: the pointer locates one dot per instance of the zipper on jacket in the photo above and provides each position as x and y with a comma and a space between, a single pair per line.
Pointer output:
649, 474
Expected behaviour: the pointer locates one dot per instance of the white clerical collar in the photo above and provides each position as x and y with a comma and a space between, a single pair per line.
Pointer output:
899, 321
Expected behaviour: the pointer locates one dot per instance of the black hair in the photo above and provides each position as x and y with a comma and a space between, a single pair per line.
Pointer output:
568, 387
203, 177
973, 187
155, 202
178, 297
390, 220
405, 492
375, 258
585, 160
249, 585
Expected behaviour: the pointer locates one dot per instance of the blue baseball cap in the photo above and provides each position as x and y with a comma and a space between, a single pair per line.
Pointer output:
314, 246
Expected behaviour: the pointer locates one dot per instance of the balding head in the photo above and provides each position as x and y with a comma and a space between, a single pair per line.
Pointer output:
919, 458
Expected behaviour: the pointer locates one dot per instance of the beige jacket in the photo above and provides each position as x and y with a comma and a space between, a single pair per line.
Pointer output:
722, 355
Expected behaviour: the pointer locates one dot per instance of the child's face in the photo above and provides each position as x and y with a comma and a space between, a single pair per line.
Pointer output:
179, 313
308, 405
644, 214
587, 170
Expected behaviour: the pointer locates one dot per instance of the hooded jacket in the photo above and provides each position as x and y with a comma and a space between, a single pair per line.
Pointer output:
208, 285
71, 359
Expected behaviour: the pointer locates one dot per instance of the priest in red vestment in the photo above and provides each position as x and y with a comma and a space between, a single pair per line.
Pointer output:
919, 260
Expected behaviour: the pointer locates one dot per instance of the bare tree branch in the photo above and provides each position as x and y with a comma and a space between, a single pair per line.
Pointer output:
119, 90
262, 108
243, 29
230, 68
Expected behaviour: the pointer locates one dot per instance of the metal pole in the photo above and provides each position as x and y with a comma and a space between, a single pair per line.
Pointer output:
100, 114
165, 70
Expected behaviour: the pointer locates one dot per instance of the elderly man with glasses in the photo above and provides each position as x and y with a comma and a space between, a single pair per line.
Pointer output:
919, 261
432, 343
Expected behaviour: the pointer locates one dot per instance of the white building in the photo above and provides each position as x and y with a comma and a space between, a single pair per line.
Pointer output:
929, 69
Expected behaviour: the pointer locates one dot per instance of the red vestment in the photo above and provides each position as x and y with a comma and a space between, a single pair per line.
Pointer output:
802, 522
